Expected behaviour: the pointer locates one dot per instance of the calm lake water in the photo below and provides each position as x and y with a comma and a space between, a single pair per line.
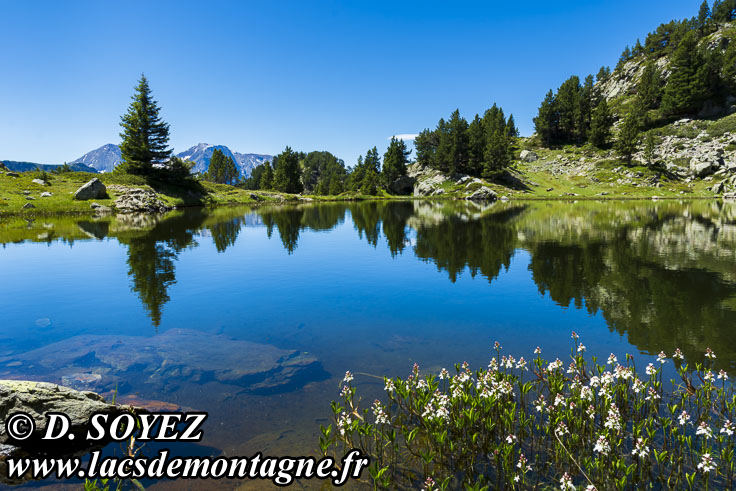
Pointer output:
254, 315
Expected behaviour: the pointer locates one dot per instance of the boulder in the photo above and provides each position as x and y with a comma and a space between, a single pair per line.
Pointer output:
483, 194
701, 169
38, 398
40, 182
402, 186
94, 189
12, 174
729, 195
46, 194
718, 187
423, 188
137, 200
28, 206
528, 156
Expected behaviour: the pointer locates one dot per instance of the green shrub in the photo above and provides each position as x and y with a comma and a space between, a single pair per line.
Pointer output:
521, 424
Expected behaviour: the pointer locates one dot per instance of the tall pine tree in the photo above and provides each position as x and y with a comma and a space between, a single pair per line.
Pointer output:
286, 177
145, 136
394, 161
685, 87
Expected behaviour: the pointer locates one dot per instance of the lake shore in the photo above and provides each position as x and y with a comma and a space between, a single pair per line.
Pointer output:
25, 195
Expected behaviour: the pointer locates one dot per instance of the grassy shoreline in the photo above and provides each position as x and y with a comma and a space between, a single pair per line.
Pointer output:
16, 191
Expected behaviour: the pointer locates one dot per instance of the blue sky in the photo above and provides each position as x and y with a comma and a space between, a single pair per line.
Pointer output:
257, 76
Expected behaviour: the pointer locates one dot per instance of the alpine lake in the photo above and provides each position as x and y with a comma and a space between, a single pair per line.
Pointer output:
254, 315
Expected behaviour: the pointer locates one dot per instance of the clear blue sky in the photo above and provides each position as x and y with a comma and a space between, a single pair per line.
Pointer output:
257, 76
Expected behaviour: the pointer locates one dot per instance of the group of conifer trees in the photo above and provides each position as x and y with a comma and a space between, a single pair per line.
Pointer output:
700, 76
482, 147
574, 114
324, 174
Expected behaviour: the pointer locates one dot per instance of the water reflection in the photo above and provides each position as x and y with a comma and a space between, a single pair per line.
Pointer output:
663, 274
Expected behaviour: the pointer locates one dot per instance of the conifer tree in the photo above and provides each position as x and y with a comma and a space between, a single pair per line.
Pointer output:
649, 87
222, 168
497, 155
628, 136
545, 124
286, 176
369, 185
476, 146
394, 161
457, 137
145, 135
372, 161
703, 14
685, 87
266, 177
600, 125
511, 129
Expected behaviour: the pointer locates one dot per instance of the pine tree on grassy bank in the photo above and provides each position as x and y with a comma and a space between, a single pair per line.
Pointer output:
145, 136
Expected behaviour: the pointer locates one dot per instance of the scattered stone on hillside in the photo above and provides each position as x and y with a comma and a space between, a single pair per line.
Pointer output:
137, 200
28, 206
528, 156
100, 208
731, 195
40, 182
550, 189
402, 186
483, 194
46, 194
164, 362
12, 174
701, 169
718, 187
26, 193
94, 189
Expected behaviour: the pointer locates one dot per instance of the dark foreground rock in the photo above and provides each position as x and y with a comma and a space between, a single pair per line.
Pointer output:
165, 362
37, 399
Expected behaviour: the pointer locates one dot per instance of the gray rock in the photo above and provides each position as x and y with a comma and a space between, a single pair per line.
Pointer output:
701, 169
137, 200
46, 194
12, 174
402, 186
28, 206
718, 187
731, 195
483, 194
528, 156
40, 182
100, 208
94, 189
38, 398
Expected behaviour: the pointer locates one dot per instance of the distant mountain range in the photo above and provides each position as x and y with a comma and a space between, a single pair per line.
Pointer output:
105, 158
28, 166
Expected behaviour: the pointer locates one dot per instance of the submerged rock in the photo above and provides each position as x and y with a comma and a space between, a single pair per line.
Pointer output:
94, 189
165, 361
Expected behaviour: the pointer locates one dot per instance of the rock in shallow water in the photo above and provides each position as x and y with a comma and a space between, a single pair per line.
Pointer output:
175, 357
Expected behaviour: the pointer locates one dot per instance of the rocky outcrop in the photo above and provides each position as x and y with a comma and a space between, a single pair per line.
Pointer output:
483, 194
94, 189
138, 200
528, 156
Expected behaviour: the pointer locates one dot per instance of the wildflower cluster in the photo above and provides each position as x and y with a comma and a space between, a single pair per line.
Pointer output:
524, 424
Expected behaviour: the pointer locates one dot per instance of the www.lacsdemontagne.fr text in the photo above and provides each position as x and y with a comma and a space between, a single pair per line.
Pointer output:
282, 471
